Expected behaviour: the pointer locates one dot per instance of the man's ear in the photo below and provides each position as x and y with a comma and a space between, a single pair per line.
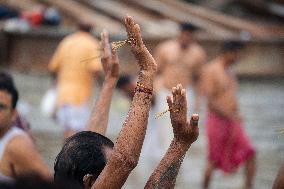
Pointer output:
88, 181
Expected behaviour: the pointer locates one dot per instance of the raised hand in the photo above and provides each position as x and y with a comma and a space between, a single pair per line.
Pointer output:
145, 59
99, 119
128, 145
109, 58
185, 133
184, 130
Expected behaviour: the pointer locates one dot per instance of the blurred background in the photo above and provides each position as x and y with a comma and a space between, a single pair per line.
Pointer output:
30, 31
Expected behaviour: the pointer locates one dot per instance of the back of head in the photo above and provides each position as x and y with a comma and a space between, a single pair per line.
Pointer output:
123, 81
82, 154
35, 182
232, 45
85, 26
7, 84
188, 27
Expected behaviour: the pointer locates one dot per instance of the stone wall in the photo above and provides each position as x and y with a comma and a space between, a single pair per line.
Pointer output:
32, 51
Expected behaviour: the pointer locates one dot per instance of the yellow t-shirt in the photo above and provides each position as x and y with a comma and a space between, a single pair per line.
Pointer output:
75, 67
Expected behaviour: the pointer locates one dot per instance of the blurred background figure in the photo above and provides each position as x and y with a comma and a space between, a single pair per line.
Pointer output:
20, 120
75, 65
179, 60
16, 147
228, 144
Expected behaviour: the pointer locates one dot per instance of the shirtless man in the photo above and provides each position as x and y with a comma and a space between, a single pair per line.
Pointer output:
179, 61
18, 155
228, 144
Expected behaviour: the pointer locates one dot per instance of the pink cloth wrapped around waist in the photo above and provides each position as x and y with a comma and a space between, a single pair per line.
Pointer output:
228, 144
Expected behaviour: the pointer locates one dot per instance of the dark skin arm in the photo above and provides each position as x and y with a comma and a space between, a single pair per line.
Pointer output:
279, 181
128, 146
185, 133
99, 119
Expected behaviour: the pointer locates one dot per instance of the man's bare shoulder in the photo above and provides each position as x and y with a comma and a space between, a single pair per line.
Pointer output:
20, 145
211, 67
196, 46
168, 44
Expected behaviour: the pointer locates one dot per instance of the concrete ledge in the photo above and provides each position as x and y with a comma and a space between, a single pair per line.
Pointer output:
32, 50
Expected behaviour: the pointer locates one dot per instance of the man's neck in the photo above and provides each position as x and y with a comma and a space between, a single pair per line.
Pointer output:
3, 131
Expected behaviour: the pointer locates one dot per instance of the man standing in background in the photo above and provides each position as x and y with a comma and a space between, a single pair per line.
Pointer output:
179, 60
75, 64
228, 144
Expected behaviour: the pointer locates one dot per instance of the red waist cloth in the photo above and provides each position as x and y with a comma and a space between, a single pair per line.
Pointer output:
228, 144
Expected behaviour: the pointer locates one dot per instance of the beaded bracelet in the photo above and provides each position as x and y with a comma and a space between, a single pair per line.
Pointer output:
141, 88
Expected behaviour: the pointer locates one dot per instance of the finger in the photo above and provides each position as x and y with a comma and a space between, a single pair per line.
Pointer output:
114, 57
137, 33
183, 92
174, 91
194, 120
179, 88
129, 23
183, 99
170, 102
104, 36
105, 43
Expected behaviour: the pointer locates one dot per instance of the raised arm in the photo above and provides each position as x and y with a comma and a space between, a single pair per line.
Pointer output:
99, 119
185, 133
128, 146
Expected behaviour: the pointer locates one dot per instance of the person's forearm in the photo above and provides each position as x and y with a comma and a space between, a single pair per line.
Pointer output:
129, 143
99, 119
165, 174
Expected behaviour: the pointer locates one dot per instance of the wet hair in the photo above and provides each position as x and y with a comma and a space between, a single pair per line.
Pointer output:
232, 45
36, 182
123, 80
186, 26
85, 26
7, 84
82, 154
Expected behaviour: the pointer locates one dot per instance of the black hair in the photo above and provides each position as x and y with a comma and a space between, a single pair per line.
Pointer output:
36, 182
123, 80
82, 153
186, 26
7, 84
84, 26
232, 45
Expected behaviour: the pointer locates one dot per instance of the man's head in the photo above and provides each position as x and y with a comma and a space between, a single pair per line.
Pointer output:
186, 34
8, 100
82, 158
36, 182
85, 26
231, 51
